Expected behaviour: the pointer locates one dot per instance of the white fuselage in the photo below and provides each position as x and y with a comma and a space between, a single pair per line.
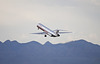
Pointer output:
47, 30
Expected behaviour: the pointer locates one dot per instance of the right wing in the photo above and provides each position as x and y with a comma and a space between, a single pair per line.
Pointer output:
59, 31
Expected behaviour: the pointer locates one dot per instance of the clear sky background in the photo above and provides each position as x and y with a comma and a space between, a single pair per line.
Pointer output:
18, 18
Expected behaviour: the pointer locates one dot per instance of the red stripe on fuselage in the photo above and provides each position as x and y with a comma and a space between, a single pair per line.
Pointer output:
42, 29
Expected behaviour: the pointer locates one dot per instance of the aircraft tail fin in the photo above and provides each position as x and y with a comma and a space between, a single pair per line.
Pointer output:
57, 31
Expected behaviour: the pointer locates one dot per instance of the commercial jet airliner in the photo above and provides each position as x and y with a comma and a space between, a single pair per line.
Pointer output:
47, 31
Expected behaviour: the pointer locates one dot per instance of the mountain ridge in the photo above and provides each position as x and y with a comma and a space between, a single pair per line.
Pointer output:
73, 52
48, 43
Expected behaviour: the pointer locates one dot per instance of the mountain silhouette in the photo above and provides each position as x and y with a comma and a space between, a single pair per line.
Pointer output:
74, 52
47, 43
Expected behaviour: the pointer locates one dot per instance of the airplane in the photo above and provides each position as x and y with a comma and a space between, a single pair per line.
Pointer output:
47, 31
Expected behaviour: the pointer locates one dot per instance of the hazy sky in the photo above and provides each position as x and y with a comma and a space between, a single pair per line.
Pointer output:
18, 18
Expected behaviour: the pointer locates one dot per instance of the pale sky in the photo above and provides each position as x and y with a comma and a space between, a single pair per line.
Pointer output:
18, 18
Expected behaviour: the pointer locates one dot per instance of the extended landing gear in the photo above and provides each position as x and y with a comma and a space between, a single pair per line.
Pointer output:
45, 35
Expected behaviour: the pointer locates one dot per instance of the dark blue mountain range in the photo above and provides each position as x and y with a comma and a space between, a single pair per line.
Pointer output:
74, 52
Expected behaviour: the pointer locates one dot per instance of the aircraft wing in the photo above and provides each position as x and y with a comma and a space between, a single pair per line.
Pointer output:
64, 32
39, 33
59, 30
